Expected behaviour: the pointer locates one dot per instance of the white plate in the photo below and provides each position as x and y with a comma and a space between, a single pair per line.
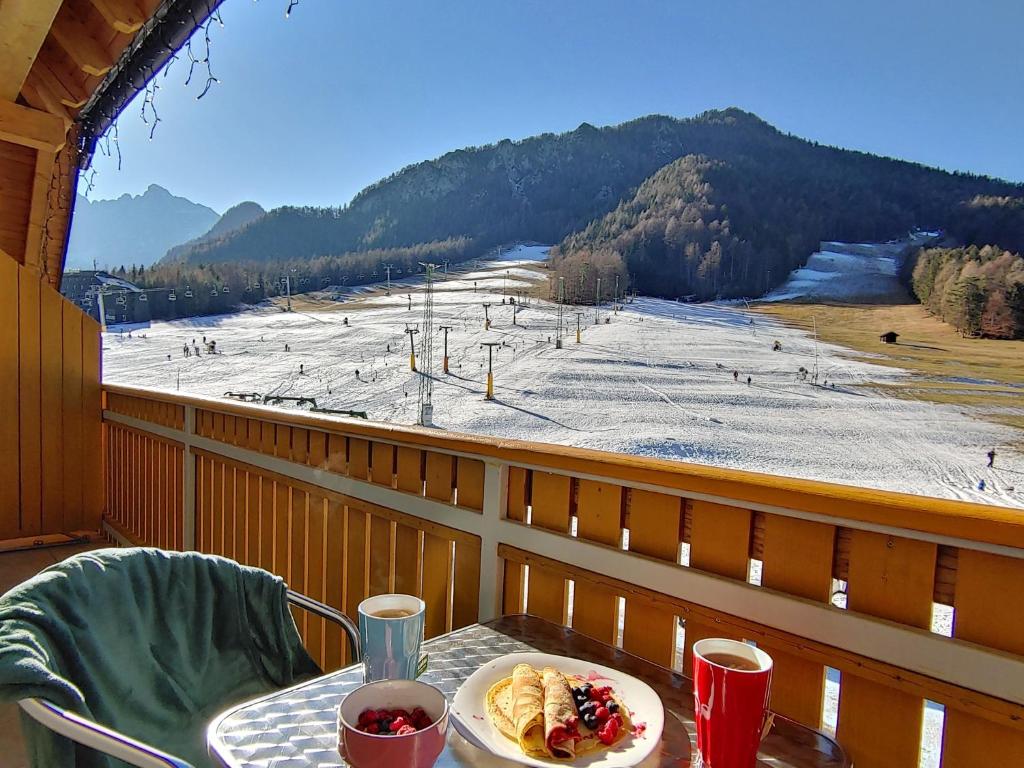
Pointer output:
469, 710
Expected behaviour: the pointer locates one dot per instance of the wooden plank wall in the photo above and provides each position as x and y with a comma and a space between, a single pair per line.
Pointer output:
50, 426
17, 168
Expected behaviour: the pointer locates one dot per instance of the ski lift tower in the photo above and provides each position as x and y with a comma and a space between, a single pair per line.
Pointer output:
387, 270
490, 367
426, 404
487, 318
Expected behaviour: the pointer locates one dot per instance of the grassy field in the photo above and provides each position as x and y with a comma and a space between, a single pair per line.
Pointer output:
984, 375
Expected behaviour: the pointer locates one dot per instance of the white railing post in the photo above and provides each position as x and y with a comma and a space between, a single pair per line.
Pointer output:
491, 571
188, 483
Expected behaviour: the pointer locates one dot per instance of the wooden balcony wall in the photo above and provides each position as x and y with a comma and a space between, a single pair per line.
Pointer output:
477, 526
51, 477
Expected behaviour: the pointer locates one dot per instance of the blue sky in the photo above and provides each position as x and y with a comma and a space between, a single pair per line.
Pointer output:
313, 108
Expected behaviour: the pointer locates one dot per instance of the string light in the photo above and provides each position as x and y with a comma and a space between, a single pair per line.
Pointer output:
97, 121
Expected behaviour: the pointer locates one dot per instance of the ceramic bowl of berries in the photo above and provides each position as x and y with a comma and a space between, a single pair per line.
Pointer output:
393, 723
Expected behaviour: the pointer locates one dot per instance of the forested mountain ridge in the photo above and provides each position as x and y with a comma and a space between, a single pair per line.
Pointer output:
234, 218
762, 200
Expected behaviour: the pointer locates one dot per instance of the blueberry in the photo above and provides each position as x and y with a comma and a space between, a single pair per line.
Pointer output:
591, 722
612, 707
588, 706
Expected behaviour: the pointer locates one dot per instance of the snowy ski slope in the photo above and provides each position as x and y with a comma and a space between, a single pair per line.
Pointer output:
657, 380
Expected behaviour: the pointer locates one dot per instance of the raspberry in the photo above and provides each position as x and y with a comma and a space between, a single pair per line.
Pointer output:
368, 716
617, 718
405, 730
607, 732
373, 728
398, 722
396, 713
602, 714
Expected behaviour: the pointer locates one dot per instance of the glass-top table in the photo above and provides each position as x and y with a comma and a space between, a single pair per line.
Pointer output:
297, 727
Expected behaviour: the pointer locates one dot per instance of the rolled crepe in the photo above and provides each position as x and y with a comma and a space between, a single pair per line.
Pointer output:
528, 710
561, 722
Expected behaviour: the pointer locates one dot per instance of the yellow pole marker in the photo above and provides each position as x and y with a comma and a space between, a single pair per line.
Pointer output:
412, 348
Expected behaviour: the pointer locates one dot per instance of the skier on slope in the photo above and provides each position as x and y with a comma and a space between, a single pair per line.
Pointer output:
991, 457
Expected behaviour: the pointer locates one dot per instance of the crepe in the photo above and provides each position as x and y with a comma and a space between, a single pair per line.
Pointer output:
561, 722
538, 713
528, 710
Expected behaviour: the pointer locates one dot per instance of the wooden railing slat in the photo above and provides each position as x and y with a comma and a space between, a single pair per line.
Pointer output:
892, 578
358, 458
599, 516
470, 483
719, 543
315, 582
797, 558
410, 470
655, 523
437, 563
986, 588
439, 476
408, 560
382, 468
380, 556
466, 586
335, 571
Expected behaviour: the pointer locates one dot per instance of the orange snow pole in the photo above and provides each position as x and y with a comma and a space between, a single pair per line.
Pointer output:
445, 328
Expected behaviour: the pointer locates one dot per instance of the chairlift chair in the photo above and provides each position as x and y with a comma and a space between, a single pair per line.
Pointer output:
122, 300
143, 297
225, 289
213, 291
188, 292
172, 296
257, 285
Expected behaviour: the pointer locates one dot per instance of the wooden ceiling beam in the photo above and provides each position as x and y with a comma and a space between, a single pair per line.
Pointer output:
42, 98
123, 15
24, 24
76, 40
69, 94
31, 127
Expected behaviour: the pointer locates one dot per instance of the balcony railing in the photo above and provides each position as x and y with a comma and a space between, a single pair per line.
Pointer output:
646, 554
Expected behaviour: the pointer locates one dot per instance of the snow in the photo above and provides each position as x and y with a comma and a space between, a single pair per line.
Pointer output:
834, 276
657, 380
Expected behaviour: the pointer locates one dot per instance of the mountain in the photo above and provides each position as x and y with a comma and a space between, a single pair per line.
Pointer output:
133, 229
744, 206
234, 218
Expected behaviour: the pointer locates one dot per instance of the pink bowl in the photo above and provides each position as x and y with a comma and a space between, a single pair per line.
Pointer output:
415, 750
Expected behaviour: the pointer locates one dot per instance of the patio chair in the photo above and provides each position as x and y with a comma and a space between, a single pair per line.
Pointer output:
127, 654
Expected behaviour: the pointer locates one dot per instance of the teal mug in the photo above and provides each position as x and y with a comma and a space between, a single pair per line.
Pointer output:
391, 632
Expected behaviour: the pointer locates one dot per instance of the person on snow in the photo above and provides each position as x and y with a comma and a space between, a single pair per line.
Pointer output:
735, 375
748, 381
991, 457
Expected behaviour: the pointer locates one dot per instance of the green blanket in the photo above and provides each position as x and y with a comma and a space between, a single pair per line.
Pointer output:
151, 643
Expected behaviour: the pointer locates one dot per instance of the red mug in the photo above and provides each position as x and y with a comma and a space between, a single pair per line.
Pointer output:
731, 681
